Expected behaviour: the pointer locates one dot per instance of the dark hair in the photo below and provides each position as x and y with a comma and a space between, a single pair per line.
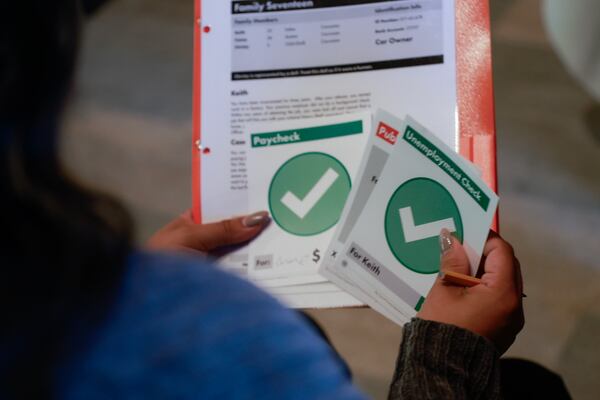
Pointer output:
63, 247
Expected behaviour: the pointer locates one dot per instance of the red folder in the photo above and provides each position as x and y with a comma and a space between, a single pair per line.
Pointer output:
477, 132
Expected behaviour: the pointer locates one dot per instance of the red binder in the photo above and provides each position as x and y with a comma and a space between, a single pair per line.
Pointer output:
477, 132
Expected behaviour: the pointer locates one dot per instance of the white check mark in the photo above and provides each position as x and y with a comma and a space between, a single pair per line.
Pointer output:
412, 233
302, 207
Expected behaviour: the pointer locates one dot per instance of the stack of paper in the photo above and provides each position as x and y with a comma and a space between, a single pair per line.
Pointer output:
357, 204
409, 187
302, 172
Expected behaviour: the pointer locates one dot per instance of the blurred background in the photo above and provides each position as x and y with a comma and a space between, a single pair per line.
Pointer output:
129, 127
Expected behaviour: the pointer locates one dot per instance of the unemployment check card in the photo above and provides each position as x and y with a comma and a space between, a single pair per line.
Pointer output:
377, 152
392, 252
302, 172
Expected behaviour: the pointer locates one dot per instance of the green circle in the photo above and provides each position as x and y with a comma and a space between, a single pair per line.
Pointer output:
429, 202
298, 178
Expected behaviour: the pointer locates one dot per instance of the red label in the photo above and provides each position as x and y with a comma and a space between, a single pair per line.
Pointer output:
387, 133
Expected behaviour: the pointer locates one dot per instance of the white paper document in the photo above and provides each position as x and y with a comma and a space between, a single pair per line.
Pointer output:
272, 61
281, 65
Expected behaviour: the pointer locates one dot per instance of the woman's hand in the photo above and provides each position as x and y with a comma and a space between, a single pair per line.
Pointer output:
492, 309
183, 234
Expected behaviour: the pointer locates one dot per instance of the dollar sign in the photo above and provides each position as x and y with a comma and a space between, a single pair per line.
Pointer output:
316, 256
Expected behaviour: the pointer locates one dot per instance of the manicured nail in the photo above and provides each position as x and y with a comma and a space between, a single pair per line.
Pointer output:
259, 218
445, 241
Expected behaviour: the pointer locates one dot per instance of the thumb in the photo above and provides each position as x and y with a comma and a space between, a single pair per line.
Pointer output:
453, 255
208, 237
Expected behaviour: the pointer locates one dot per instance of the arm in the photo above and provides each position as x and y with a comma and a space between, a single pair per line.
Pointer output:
451, 350
182, 234
441, 361
276, 355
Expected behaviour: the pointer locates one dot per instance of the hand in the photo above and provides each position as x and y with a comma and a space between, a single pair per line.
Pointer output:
492, 309
184, 234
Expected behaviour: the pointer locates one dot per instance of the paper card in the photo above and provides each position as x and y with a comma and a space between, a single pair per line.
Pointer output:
392, 252
380, 143
302, 172
315, 295
322, 295
376, 154
307, 298
290, 281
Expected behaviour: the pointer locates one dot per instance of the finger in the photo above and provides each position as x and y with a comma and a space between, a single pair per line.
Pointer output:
187, 214
228, 232
493, 234
519, 276
500, 267
453, 255
480, 268
492, 242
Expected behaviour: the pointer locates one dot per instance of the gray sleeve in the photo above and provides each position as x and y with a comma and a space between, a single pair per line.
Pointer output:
440, 361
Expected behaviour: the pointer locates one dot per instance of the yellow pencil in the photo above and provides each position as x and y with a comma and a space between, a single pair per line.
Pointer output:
456, 278
459, 279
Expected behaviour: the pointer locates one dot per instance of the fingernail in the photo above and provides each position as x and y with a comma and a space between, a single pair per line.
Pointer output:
445, 241
259, 218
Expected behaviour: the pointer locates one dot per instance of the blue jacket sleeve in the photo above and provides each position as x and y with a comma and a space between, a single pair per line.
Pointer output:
184, 329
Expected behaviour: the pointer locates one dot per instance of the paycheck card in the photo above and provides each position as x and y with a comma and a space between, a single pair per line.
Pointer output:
392, 252
302, 172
